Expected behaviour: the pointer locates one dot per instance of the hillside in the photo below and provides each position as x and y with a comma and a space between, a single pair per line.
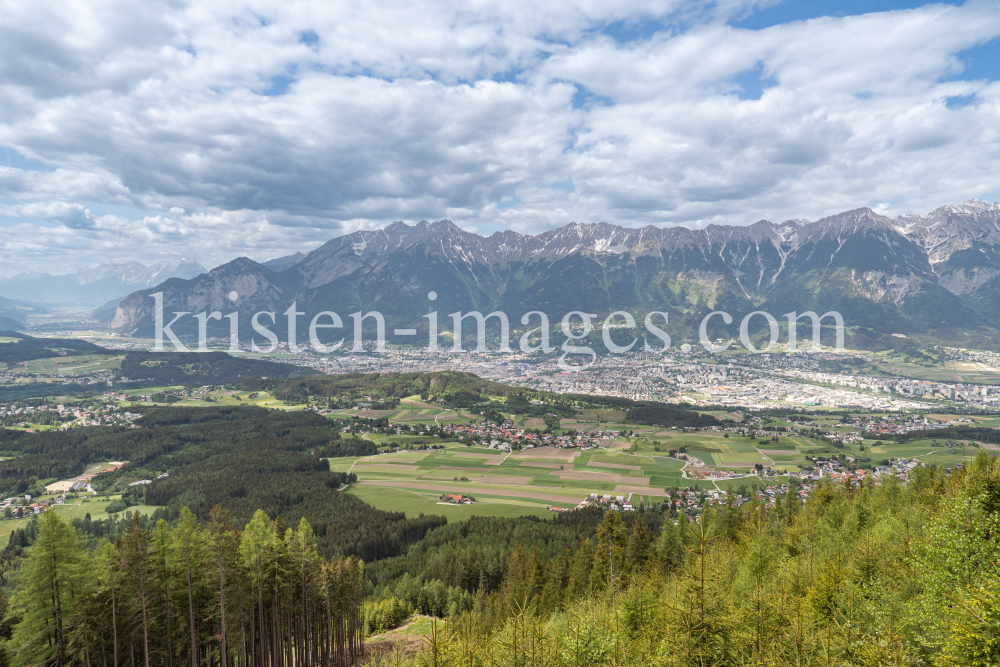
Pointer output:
63, 366
27, 348
865, 574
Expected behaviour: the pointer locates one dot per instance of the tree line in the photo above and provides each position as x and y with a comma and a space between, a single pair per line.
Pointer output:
193, 369
185, 595
242, 458
29, 348
876, 575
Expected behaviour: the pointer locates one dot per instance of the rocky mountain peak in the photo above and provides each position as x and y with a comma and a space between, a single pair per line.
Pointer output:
953, 228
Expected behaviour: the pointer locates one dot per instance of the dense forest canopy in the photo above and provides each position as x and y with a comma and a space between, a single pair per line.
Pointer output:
872, 575
240, 458
28, 348
200, 368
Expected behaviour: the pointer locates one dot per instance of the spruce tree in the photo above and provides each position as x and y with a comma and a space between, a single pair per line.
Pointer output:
44, 600
135, 564
580, 568
638, 553
609, 556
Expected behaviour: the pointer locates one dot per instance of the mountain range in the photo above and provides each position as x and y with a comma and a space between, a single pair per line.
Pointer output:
936, 274
14, 313
94, 285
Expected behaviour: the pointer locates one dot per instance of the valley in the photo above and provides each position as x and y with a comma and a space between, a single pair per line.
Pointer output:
482, 488
449, 484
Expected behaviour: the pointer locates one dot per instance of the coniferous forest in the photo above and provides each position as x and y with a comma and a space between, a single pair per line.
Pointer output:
186, 595
876, 575
244, 572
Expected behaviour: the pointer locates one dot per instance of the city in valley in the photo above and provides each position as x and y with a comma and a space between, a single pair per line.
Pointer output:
784, 422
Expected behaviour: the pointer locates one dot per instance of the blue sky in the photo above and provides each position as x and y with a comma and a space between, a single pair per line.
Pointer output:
177, 129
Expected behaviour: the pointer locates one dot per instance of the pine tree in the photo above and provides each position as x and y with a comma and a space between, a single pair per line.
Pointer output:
553, 594
580, 568
609, 556
162, 567
220, 541
253, 546
190, 549
138, 583
638, 553
43, 600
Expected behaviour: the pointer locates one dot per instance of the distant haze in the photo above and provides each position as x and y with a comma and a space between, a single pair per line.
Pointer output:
96, 285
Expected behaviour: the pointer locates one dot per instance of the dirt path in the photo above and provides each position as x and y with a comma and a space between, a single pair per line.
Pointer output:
395, 644
761, 452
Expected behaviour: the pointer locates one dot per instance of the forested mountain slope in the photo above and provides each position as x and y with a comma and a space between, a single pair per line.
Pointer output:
874, 576
869, 576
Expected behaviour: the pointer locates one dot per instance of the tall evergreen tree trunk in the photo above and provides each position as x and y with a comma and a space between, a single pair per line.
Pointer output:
145, 617
114, 616
303, 636
222, 609
166, 610
260, 614
194, 631
57, 615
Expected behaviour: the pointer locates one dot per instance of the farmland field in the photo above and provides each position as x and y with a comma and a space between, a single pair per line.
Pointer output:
74, 509
524, 482
415, 502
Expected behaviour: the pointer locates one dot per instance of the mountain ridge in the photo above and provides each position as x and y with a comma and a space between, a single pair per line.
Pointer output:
878, 269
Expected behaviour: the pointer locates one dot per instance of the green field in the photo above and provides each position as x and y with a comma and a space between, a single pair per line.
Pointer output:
212, 398
557, 477
87, 363
74, 509
414, 503
528, 480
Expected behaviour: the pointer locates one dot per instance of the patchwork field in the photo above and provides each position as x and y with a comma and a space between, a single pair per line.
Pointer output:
640, 467
415, 502
525, 482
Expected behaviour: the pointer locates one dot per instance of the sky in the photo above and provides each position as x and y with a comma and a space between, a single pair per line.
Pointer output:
168, 129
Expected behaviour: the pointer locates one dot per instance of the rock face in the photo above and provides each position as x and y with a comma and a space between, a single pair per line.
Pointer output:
911, 274
252, 283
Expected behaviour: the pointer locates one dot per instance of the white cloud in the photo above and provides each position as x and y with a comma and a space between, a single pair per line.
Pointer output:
157, 140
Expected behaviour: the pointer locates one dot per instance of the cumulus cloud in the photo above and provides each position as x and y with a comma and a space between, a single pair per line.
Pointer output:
246, 127
74, 216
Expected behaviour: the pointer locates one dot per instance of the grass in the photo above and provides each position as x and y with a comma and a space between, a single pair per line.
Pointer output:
86, 363
414, 626
75, 509
141, 509
414, 503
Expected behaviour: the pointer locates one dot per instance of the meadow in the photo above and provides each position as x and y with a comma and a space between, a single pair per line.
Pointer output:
77, 508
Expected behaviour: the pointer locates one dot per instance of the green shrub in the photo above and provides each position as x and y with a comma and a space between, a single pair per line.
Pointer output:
386, 615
